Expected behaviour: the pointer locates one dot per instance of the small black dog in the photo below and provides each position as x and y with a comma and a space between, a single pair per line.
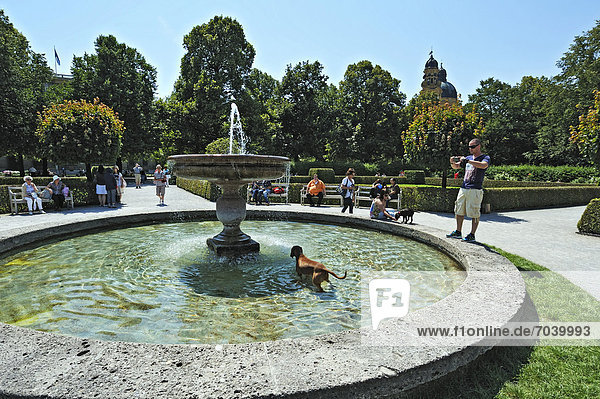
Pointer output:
406, 214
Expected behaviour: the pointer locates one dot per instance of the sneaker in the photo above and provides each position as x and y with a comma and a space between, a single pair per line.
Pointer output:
31, 213
42, 211
470, 237
454, 234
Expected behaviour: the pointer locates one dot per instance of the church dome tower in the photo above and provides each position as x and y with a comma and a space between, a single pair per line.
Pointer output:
435, 80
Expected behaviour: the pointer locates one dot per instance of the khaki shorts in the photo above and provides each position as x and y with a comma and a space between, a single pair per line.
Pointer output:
468, 202
160, 191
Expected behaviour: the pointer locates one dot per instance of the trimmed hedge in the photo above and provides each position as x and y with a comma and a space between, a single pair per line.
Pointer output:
437, 181
84, 193
590, 220
503, 199
203, 188
325, 174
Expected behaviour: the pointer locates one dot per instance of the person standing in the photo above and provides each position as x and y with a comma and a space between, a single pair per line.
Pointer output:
348, 187
160, 182
30, 192
470, 195
137, 172
101, 186
111, 188
167, 176
120, 183
315, 188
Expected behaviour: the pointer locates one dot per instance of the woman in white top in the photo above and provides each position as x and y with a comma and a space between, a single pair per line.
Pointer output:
30, 192
348, 190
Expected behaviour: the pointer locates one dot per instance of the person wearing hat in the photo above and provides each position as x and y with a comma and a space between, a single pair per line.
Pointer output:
56, 187
30, 192
160, 180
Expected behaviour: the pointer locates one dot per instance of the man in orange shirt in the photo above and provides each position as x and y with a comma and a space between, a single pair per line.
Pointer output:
315, 188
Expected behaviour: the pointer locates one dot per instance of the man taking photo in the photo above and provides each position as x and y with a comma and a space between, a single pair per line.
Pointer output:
470, 195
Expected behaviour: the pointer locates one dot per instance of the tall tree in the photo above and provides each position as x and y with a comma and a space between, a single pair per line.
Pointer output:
214, 68
122, 79
437, 132
304, 114
581, 66
509, 118
371, 109
24, 76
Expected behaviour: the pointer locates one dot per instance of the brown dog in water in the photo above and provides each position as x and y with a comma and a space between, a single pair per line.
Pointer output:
310, 267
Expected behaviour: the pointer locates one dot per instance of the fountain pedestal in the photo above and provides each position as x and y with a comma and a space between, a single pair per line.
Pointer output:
230, 172
231, 211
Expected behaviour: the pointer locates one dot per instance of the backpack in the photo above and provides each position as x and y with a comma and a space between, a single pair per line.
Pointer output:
279, 190
340, 190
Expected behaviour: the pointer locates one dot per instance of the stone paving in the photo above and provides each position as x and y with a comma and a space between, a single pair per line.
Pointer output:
545, 236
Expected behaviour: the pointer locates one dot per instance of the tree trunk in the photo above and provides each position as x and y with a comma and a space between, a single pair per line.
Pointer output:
88, 172
45, 167
21, 164
444, 177
120, 164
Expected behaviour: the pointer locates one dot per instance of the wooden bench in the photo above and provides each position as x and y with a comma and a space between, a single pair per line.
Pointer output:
274, 184
15, 196
330, 191
363, 194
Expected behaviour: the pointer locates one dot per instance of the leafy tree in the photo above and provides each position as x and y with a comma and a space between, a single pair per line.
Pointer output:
371, 105
122, 79
80, 131
587, 133
214, 68
303, 115
509, 117
437, 132
581, 66
24, 75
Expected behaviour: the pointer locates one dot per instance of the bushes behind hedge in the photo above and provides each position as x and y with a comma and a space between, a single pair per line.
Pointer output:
541, 173
590, 220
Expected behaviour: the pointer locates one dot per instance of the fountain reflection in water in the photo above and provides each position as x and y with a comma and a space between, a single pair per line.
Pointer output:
230, 172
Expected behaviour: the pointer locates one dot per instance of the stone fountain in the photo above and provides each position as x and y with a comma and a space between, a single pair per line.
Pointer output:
231, 172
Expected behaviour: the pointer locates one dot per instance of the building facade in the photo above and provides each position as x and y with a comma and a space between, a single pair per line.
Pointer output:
435, 81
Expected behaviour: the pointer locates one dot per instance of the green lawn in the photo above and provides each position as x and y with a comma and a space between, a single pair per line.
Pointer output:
532, 372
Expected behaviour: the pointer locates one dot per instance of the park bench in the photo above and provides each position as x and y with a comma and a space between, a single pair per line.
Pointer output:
363, 194
274, 183
15, 196
330, 192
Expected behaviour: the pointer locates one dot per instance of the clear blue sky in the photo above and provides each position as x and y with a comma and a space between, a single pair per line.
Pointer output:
475, 39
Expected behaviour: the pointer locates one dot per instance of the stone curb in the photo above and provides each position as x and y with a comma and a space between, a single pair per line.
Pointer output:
37, 364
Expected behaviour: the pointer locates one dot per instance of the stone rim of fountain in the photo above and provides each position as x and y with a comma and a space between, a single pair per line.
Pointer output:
55, 366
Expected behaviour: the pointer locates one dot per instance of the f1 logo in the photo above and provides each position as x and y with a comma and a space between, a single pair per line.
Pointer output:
389, 297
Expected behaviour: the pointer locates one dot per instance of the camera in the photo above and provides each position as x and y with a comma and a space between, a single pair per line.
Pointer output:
456, 159
463, 163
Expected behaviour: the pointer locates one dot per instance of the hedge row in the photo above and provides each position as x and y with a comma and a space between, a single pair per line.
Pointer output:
577, 174
436, 199
437, 181
590, 220
84, 193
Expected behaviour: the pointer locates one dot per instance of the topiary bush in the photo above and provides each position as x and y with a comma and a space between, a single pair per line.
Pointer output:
327, 175
590, 220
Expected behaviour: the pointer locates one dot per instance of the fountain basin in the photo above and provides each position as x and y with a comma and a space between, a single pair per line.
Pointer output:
334, 365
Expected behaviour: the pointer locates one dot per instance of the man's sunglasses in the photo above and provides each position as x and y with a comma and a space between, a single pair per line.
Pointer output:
473, 146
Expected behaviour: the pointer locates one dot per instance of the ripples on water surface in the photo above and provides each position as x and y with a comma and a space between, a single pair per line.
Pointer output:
161, 284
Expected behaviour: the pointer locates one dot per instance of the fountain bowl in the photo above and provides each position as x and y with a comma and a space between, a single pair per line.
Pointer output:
229, 168
230, 172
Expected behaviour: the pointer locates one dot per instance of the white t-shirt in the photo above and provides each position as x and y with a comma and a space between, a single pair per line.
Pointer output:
346, 182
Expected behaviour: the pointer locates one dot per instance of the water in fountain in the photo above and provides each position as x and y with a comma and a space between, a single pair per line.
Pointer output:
235, 130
